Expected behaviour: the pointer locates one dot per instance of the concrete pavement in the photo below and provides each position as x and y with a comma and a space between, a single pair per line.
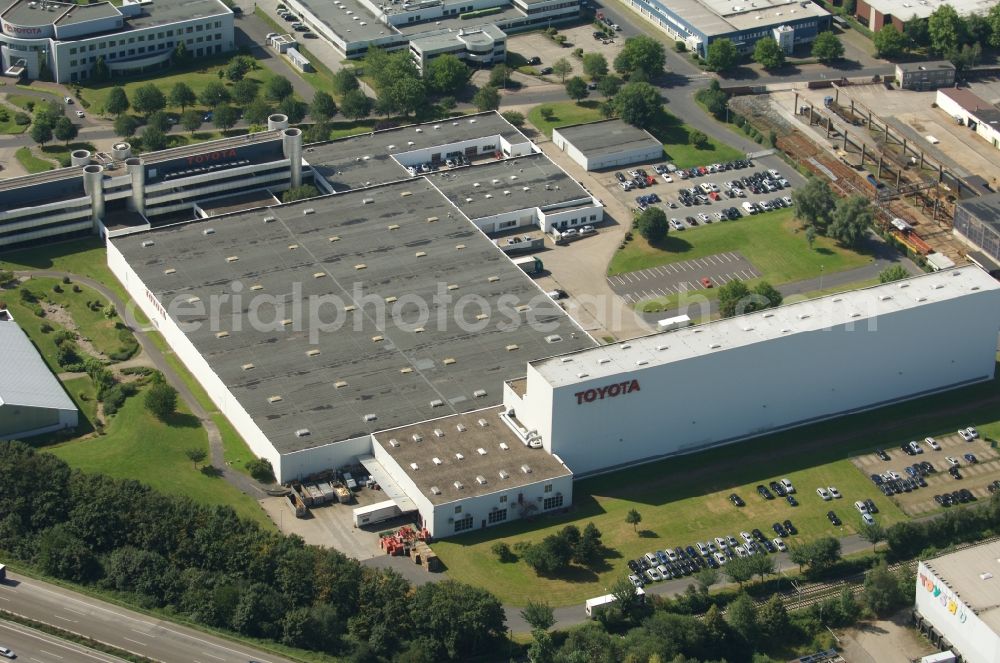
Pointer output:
128, 630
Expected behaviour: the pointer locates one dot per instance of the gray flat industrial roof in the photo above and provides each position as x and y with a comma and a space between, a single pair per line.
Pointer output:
455, 23
30, 13
161, 12
926, 66
904, 10
801, 317
212, 146
451, 35
26, 379
508, 185
83, 13
984, 208
718, 17
341, 19
974, 575
365, 160
598, 139
481, 456
408, 242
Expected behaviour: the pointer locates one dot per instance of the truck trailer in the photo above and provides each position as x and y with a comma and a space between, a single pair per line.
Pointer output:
375, 513
529, 265
599, 604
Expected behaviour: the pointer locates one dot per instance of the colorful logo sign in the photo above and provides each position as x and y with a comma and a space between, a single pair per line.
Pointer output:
609, 391
944, 595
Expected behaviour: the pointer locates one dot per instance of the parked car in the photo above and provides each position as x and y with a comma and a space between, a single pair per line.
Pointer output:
966, 435
932, 443
834, 492
779, 529
707, 282
790, 528
916, 447
736, 500
823, 494
871, 506
636, 580
973, 432
971, 459
882, 455
867, 519
834, 520
791, 500
952, 461
861, 507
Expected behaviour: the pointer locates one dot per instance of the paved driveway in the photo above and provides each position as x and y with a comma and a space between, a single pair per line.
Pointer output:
678, 277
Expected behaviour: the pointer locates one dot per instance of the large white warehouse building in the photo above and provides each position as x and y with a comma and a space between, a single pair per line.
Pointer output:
733, 379
958, 602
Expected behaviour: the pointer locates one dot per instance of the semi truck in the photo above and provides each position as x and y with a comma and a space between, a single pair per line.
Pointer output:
597, 605
529, 265
3, 572
675, 322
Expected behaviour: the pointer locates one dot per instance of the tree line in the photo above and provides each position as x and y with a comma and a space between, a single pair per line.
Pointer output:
945, 33
208, 565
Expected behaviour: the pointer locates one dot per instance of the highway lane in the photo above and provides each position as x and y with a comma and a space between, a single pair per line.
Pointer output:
131, 631
31, 645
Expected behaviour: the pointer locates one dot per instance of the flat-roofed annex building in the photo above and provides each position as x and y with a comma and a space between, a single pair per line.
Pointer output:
32, 400
661, 395
68, 38
958, 602
422, 317
607, 144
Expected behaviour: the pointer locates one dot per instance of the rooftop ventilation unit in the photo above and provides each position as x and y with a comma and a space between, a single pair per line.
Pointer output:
414, 466
170, 270
147, 244
526, 469
625, 346
394, 443
437, 461
435, 490
479, 393
302, 432
503, 474
641, 362
274, 399
437, 402
481, 451
603, 360
504, 447
483, 423
247, 367
460, 428
370, 417
222, 334
459, 456
480, 479
581, 375
232, 258
566, 360
416, 437
438, 432
458, 485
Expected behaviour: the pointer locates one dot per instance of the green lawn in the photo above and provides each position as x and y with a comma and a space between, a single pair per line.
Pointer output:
139, 446
771, 241
683, 499
30, 162
9, 126
345, 129
60, 153
22, 101
668, 128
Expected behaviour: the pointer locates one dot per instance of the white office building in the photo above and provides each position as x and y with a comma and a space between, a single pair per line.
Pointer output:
65, 40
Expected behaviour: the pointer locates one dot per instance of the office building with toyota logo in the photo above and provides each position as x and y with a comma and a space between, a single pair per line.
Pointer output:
65, 40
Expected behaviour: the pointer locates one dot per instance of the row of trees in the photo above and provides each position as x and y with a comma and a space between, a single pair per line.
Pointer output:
723, 56
946, 33
401, 89
846, 220
50, 122
208, 565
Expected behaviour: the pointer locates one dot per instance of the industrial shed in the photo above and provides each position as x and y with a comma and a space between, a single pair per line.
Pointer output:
32, 401
607, 144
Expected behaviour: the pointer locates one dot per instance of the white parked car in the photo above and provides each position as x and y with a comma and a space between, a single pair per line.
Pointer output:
652, 558
667, 178
720, 558
932, 443
972, 431
746, 536
653, 574
823, 495
789, 488
952, 461
79, 113
721, 542
635, 580
664, 571
867, 519
780, 545
702, 548
788, 201
833, 491
861, 507
966, 435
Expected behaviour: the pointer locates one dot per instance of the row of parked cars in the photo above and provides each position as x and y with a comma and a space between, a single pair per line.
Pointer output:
700, 171
783, 488
961, 496
679, 562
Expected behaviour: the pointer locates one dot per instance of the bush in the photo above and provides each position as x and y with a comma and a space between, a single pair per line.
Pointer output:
503, 552
45, 328
77, 289
39, 311
57, 288
22, 119
161, 400
66, 280
680, 46
261, 470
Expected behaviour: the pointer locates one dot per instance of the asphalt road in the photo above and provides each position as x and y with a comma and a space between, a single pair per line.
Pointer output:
131, 631
31, 645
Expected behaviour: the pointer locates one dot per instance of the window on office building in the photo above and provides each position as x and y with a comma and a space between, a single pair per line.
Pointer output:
464, 524
548, 488
552, 502
497, 516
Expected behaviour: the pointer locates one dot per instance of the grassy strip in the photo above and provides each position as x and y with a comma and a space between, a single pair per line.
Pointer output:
30, 162
73, 637
292, 653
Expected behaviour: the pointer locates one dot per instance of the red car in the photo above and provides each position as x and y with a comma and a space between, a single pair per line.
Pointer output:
707, 282
650, 180
713, 196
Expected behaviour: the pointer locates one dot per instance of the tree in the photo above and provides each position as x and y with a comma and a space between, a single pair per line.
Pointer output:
161, 400
946, 30
355, 105
633, 518
407, 95
889, 42
852, 217
465, 620
741, 615
487, 98
344, 80
739, 569
735, 299
562, 68
299, 193
826, 47
714, 97
968, 57
277, 88
698, 139
814, 202
100, 71
576, 89
147, 99
588, 548
515, 118
117, 102
624, 592
214, 94
768, 54
125, 126
65, 130
182, 95
762, 565
882, 592
225, 117
538, 615
446, 74
652, 224
196, 455
993, 20
181, 54
499, 75
293, 109
153, 139
767, 295
819, 554
772, 621
641, 55
323, 107
549, 556
610, 85
160, 120
191, 120
811, 236
239, 67
502, 552
722, 55
62, 554
257, 111
639, 104
595, 65
41, 131
541, 649
893, 273
873, 533
244, 92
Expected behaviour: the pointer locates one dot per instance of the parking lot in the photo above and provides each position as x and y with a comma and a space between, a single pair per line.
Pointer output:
679, 277
712, 199
537, 44
975, 476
